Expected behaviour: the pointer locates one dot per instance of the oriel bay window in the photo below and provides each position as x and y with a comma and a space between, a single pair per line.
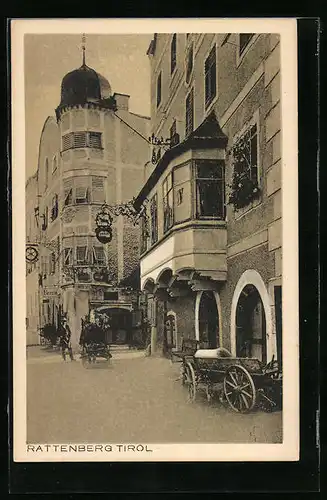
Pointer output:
167, 188
210, 192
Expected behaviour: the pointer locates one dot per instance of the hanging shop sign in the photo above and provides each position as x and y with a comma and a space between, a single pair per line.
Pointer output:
103, 222
104, 235
31, 254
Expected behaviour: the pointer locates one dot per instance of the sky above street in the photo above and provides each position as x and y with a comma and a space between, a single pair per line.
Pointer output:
121, 59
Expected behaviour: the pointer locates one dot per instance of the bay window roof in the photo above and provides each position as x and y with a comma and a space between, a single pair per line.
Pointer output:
208, 135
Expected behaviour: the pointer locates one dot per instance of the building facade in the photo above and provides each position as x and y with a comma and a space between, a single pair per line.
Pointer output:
32, 267
211, 260
91, 153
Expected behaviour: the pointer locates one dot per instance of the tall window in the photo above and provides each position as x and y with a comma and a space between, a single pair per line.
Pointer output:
144, 236
99, 257
210, 193
189, 115
154, 219
98, 194
168, 202
245, 39
210, 76
68, 256
53, 263
189, 65
82, 255
159, 89
173, 54
248, 147
54, 207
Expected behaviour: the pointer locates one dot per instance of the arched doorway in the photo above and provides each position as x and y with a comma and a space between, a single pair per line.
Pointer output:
208, 321
251, 325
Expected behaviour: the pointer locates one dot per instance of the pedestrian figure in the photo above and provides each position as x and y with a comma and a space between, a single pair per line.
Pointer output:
65, 340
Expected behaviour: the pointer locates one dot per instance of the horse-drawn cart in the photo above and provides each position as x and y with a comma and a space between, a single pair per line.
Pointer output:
94, 345
244, 383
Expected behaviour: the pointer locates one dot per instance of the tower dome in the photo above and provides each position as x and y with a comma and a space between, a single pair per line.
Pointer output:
84, 85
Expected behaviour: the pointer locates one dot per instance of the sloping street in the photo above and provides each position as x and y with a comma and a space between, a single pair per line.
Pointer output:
135, 399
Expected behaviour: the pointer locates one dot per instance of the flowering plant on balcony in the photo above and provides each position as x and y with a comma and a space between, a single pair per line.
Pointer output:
244, 187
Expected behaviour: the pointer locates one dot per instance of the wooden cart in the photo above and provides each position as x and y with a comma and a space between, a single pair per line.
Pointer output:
243, 383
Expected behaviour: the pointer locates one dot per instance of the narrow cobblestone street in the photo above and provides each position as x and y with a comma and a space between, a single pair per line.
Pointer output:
135, 399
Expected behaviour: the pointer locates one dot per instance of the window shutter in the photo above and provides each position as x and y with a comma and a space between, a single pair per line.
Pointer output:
79, 139
95, 140
98, 195
67, 141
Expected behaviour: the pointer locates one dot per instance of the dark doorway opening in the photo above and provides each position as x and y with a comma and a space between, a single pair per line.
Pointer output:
208, 321
251, 325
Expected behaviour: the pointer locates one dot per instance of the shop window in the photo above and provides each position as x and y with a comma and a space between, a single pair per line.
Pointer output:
210, 77
167, 188
154, 219
82, 255
189, 115
54, 208
158, 90
210, 196
173, 53
245, 39
99, 257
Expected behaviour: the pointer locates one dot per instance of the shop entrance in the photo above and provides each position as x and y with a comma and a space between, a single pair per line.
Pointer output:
119, 325
208, 321
251, 325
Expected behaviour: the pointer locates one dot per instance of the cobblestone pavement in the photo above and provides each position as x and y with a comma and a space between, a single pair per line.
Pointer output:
135, 399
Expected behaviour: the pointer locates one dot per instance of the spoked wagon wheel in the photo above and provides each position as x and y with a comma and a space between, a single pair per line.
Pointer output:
239, 389
191, 382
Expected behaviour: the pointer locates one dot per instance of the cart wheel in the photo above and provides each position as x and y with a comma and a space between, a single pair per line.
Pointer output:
85, 361
191, 382
239, 389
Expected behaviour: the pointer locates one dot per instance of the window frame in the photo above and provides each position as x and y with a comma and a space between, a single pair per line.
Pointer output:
189, 74
240, 55
218, 180
95, 259
173, 54
254, 121
159, 89
85, 261
68, 256
86, 197
154, 202
167, 192
189, 129
209, 99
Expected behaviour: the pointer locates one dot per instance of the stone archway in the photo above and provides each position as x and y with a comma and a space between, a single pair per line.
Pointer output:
207, 320
251, 309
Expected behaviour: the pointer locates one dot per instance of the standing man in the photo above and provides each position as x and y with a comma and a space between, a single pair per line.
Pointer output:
65, 340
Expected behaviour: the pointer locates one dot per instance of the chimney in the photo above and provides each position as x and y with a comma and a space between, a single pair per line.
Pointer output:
122, 101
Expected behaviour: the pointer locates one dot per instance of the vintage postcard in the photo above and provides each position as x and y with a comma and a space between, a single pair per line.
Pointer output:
155, 257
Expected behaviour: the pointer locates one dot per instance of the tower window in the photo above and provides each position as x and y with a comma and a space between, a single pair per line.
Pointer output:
81, 195
82, 140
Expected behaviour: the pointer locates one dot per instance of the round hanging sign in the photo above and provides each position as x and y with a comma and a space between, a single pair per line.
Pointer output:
103, 234
31, 254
